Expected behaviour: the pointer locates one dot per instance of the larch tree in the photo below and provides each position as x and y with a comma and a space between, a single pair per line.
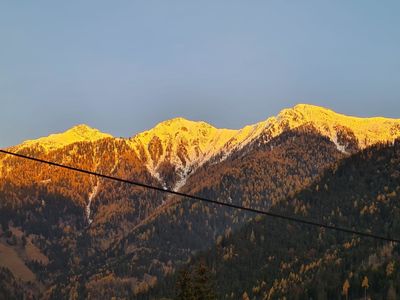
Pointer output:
365, 286
245, 296
345, 289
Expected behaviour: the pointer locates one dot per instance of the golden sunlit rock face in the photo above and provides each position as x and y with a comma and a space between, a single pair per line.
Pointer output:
185, 145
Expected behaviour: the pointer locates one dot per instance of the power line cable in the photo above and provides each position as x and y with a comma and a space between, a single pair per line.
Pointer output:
198, 198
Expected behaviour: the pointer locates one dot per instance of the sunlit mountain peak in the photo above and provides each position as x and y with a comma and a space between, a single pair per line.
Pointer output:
366, 131
78, 133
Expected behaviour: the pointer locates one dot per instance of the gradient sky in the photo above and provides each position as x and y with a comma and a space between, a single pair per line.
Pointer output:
123, 66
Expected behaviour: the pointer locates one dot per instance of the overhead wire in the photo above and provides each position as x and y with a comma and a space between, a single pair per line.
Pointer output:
207, 200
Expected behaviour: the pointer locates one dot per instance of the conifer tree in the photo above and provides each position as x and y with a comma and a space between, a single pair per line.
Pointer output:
203, 285
184, 286
245, 296
345, 289
391, 294
365, 285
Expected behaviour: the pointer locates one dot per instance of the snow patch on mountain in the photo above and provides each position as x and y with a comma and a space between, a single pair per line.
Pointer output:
92, 195
341, 148
185, 173
153, 172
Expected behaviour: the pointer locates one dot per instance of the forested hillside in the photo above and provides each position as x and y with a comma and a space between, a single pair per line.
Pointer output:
281, 168
272, 259
72, 235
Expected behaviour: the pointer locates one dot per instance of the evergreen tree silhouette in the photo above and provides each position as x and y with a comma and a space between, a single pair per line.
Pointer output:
203, 284
184, 286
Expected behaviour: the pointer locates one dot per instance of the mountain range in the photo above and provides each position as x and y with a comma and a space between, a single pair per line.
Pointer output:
78, 236
186, 145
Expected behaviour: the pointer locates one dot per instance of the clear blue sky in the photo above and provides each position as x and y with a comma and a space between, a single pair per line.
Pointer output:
123, 66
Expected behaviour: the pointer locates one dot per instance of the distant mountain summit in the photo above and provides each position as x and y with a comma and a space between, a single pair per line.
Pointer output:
180, 146
78, 133
365, 131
